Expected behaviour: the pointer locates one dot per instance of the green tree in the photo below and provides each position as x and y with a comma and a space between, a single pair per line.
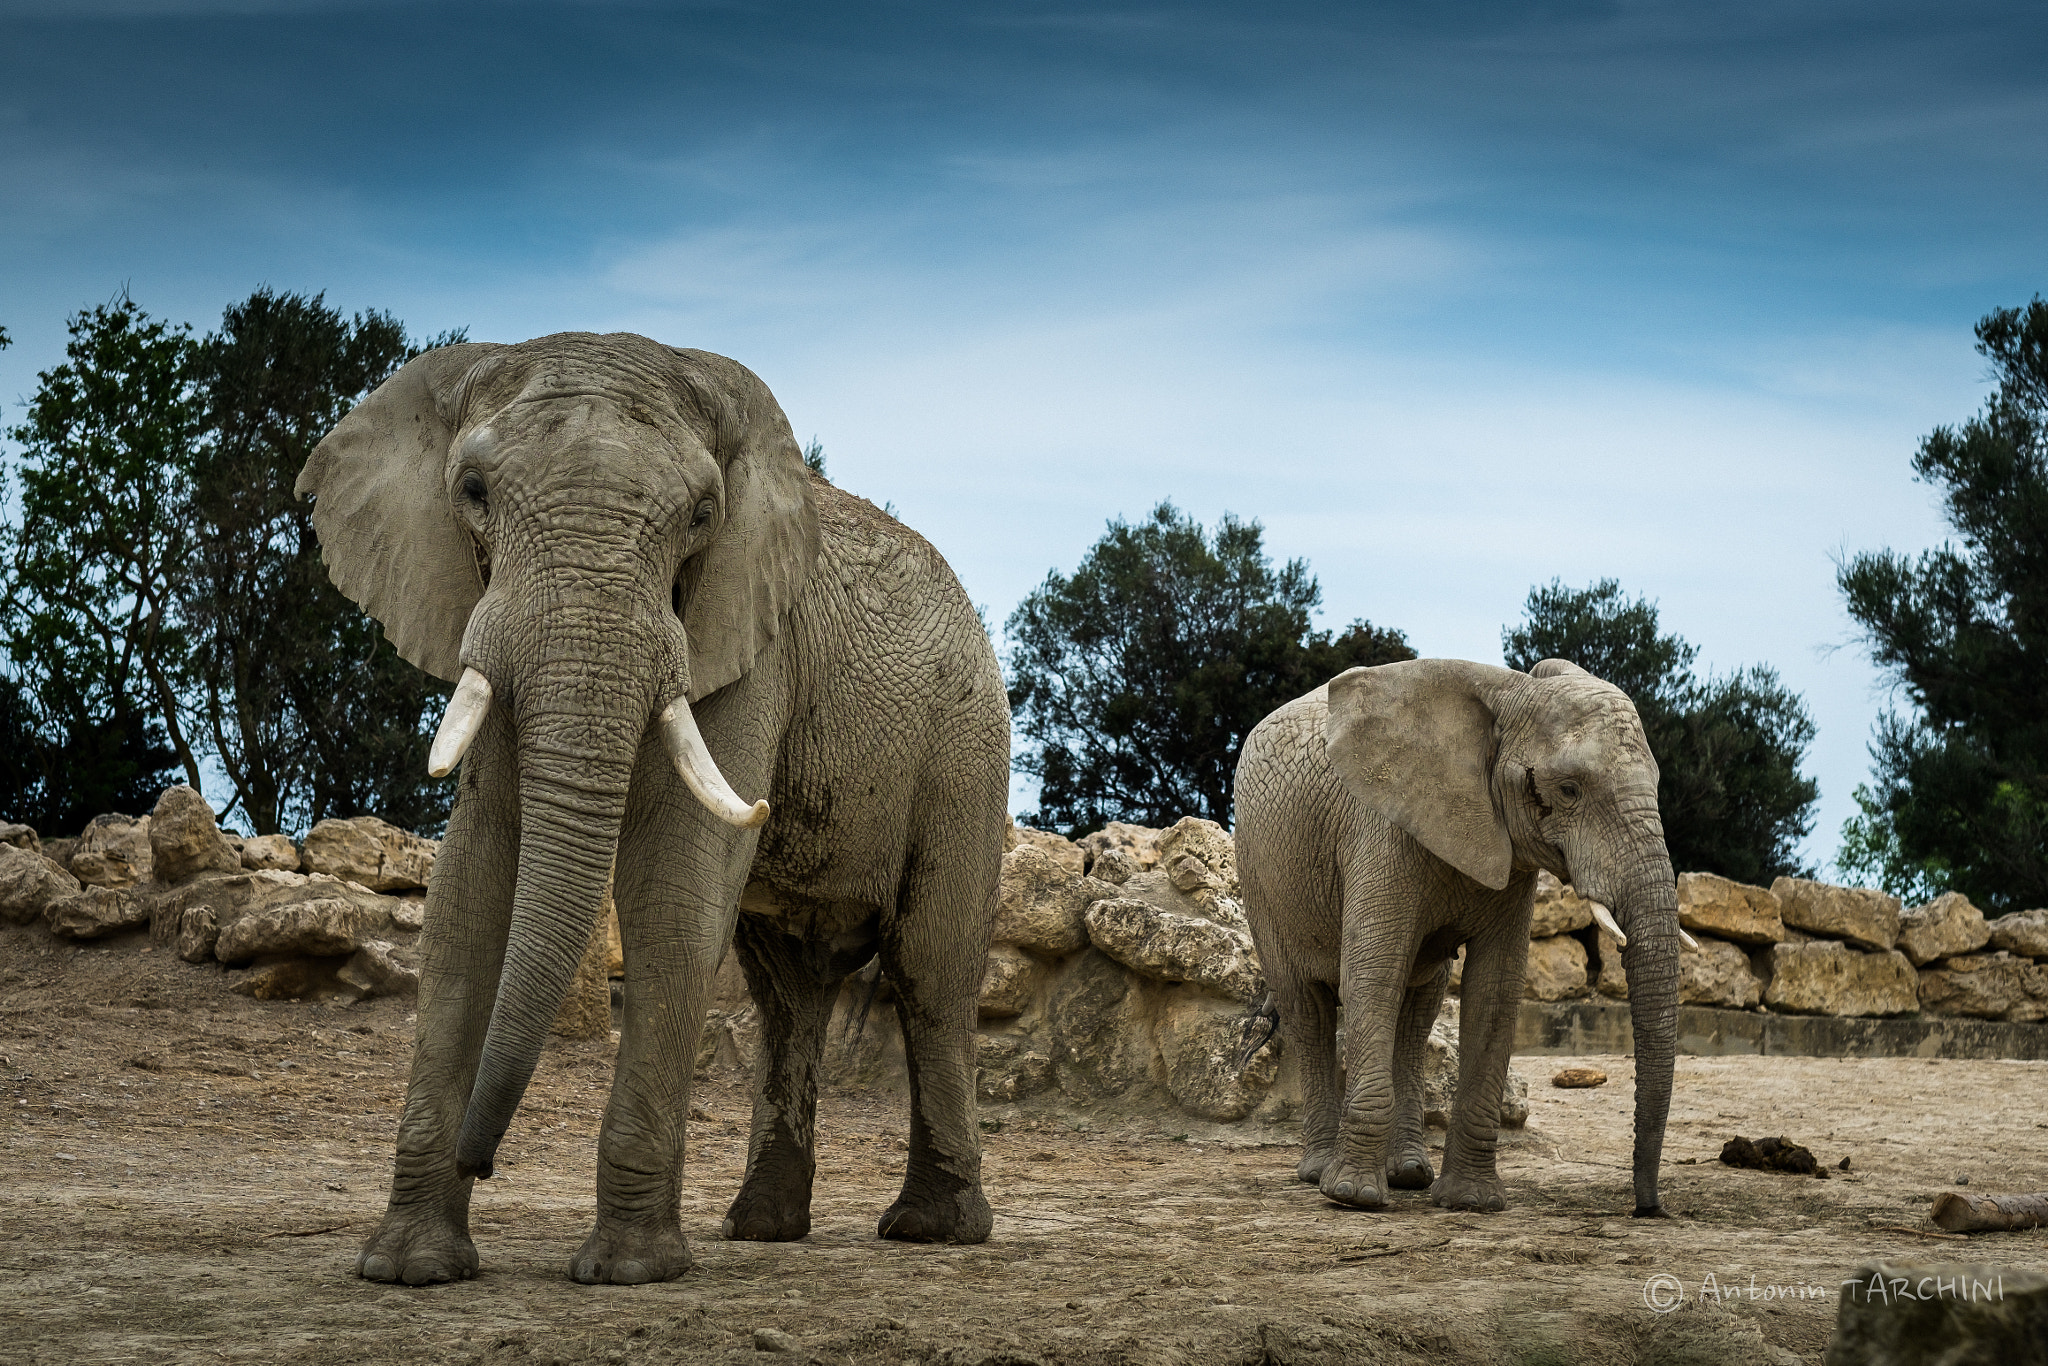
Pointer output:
310, 710
1959, 793
1135, 681
96, 654
1728, 749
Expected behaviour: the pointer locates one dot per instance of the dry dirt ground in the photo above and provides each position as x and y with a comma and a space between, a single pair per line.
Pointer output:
185, 1176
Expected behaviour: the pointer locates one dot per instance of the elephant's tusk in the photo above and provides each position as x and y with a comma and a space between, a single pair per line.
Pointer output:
1688, 941
460, 723
700, 773
1605, 918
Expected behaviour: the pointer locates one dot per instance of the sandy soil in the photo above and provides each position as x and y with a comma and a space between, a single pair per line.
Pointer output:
186, 1175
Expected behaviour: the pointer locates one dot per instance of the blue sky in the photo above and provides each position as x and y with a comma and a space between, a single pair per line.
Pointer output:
1454, 298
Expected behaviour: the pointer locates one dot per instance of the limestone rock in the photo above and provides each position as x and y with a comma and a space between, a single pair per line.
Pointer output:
294, 979
1206, 901
1717, 973
586, 1008
1559, 909
29, 883
1098, 1030
409, 913
184, 838
1141, 842
1175, 948
1992, 986
198, 932
370, 851
1726, 909
1440, 1079
2023, 932
1009, 983
270, 851
1063, 850
1209, 845
1557, 969
1199, 1043
379, 968
1009, 1069
1943, 928
113, 852
1958, 1314
322, 927
1863, 916
1824, 977
1114, 866
1613, 979
1039, 903
98, 911
20, 837
731, 1039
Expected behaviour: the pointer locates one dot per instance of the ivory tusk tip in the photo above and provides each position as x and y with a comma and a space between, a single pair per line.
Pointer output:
439, 770
1688, 940
756, 815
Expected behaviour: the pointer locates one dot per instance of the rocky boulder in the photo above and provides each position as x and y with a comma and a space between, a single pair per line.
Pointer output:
1612, 980
373, 852
1440, 1078
1209, 847
1559, 909
112, 852
1039, 902
1201, 895
1943, 928
1141, 842
1863, 916
260, 852
1009, 983
185, 840
1717, 973
1991, 986
323, 926
198, 930
1009, 1068
29, 883
1200, 1039
1114, 866
20, 837
2023, 932
1175, 948
1726, 909
1099, 1043
1557, 969
1063, 850
98, 911
380, 968
1823, 977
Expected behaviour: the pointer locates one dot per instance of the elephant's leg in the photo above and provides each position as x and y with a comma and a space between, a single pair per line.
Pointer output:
935, 950
424, 1236
1408, 1157
1495, 964
1308, 1016
675, 917
1379, 954
794, 983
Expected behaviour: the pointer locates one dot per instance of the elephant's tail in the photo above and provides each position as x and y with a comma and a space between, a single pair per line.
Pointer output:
1259, 1029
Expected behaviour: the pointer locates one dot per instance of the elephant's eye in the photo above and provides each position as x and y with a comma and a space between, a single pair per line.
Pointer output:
1568, 791
703, 513
473, 489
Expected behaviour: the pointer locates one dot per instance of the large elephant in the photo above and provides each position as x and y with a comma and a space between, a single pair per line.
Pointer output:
1401, 811
652, 607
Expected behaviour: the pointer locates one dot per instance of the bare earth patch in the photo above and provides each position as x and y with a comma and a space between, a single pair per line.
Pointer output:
185, 1176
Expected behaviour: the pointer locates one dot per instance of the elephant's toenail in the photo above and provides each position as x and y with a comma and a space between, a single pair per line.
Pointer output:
377, 1268
1345, 1190
725, 1230
630, 1273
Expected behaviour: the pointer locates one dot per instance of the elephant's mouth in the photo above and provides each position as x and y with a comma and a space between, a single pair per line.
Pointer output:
694, 764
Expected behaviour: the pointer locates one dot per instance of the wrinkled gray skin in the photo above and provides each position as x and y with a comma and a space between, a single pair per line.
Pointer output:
1401, 811
600, 525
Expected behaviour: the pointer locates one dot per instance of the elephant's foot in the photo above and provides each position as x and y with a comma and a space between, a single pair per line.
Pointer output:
418, 1245
1350, 1184
763, 1214
1410, 1172
958, 1215
1469, 1193
1656, 1211
630, 1254
1312, 1166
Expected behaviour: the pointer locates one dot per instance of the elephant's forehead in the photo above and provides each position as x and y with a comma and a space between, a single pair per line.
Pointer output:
1597, 722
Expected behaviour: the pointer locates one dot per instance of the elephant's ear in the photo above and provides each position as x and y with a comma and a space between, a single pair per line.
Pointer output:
380, 505
1557, 668
1414, 743
738, 591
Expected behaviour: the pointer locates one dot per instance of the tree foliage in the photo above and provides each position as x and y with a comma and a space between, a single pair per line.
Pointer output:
1728, 749
95, 650
1959, 793
309, 710
1135, 681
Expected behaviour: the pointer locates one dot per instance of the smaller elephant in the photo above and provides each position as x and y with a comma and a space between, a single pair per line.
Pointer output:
1401, 811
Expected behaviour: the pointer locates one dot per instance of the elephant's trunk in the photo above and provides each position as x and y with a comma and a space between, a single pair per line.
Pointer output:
1649, 912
